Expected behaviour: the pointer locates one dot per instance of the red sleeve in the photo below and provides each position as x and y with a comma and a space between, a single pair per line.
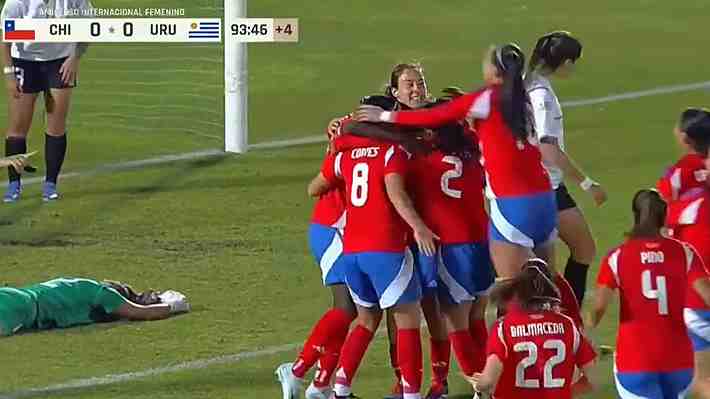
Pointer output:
496, 342
606, 276
328, 169
455, 110
585, 353
696, 268
396, 160
664, 185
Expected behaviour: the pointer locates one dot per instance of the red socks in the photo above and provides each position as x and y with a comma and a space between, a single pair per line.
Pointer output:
327, 336
570, 306
470, 358
440, 358
409, 355
352, 352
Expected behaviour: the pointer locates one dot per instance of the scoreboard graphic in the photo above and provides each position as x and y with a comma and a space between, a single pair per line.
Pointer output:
148, 30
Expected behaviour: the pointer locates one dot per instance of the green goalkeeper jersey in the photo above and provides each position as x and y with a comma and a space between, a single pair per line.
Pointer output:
61, 302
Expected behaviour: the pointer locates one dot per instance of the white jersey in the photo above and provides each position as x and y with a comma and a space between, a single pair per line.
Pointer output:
16, 9
547, 113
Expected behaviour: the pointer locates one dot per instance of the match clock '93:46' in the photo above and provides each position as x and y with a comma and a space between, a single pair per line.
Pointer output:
264, 29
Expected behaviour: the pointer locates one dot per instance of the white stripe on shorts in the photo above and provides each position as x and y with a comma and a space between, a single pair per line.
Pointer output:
397, 287
696, 324
623, 392
331, 255
458, 293
510, 232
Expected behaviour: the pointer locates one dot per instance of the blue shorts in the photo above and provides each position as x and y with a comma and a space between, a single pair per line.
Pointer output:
529, 221
383, 279
648, 385
426, 268
465, 272
327, 247
698, 323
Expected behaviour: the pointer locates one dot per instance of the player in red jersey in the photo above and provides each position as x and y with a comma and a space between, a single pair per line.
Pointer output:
651, 273
380, 270
522, 203
533, 350
327, 337
689, 172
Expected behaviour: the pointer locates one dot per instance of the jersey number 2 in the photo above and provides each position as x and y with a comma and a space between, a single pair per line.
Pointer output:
547, 380
454, 173
660, 293
358, 191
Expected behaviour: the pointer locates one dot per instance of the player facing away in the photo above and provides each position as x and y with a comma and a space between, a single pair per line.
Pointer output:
447, 188
325, 236
523, 211
688, 220
689, 171
651, 273
34, 68
534, 349
555, 56
67, 302
379, 267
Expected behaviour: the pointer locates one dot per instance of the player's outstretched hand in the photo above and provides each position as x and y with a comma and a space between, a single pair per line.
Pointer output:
369, 113
69, 70
426, 240
177, 301
598, 193
14, 90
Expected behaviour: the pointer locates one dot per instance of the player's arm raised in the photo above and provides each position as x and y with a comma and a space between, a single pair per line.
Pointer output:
397, 193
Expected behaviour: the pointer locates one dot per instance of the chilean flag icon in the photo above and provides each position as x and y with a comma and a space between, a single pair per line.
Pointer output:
12, 34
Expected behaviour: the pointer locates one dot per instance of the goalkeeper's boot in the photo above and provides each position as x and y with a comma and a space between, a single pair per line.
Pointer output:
290, 384
313, 392
14, 189
49, 192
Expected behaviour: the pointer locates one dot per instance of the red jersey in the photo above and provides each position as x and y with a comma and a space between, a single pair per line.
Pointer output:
448, 194
652, 276
373, 223
688, 173
513, 167
689, 221
329, 210
539, 352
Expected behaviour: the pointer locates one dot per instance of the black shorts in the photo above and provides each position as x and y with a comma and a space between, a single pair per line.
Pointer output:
564, 199
39, 76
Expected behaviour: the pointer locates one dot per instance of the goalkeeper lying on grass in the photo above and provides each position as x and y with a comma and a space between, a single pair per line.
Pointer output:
67, 302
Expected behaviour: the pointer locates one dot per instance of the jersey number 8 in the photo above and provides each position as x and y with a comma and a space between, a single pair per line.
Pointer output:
358, 191
547, 381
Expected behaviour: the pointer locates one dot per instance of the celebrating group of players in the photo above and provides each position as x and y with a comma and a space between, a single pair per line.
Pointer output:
401, 225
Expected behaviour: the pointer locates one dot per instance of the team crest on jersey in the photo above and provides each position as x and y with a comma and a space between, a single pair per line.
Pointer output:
700, 175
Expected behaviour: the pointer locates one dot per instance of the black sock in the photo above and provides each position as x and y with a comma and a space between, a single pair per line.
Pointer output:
576, 275
14, 146
55, 148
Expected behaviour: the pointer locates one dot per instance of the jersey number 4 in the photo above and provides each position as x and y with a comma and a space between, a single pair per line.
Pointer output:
660, 293
358, 191
454, 173
531, 359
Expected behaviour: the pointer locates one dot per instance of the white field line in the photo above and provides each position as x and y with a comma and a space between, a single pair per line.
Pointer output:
321, 138
235, 358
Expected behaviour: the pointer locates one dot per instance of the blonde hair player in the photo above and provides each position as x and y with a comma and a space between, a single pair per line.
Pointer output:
33, 68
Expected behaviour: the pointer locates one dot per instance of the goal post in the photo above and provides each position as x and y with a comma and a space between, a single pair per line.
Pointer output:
235, 82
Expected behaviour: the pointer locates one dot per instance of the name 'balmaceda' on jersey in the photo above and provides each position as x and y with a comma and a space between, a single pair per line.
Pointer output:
539, 352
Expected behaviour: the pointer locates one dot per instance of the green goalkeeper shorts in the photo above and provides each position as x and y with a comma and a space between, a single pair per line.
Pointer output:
18, 311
